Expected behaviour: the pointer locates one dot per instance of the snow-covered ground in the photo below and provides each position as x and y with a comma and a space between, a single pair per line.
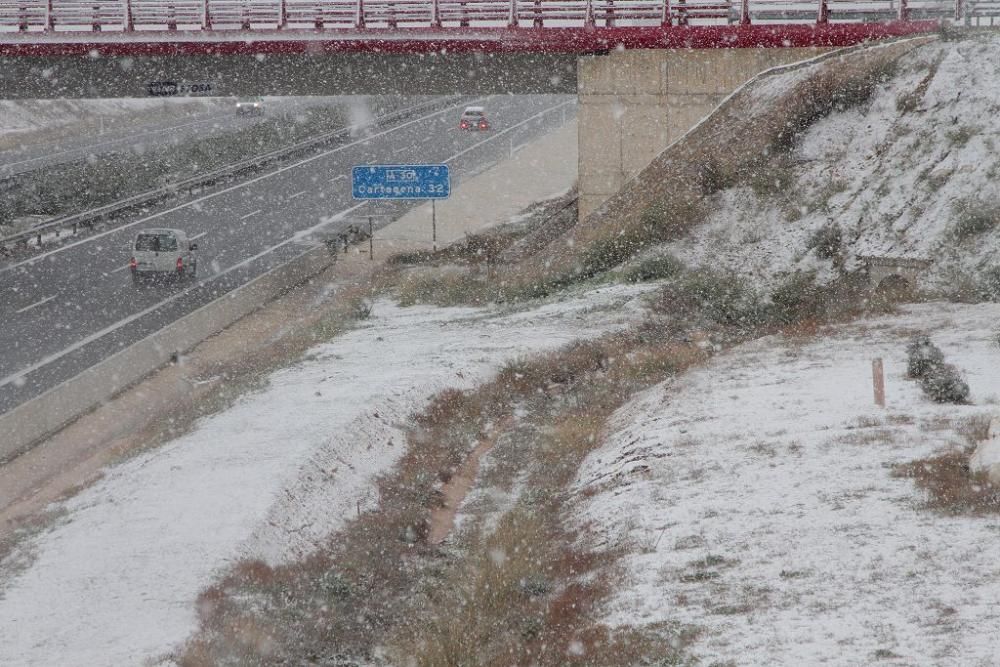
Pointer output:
114, 582
27, 115
757, 495
889, 174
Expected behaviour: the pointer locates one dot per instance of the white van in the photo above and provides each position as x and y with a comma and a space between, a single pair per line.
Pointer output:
162, 253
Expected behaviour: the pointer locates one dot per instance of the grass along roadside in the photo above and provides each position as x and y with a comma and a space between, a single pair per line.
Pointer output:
515, 583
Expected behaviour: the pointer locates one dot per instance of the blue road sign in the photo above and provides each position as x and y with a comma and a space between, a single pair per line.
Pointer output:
401, 181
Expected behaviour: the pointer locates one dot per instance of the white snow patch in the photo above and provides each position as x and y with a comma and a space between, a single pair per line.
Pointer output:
115, 582
774, 458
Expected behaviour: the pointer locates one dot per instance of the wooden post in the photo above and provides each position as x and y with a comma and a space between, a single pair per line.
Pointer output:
878, 381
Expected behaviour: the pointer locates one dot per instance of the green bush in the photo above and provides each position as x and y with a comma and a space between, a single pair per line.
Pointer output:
989, 284
922, 356
797, 298
944, 384
974, 216
654, 268
941, 381
827, 241
724, 298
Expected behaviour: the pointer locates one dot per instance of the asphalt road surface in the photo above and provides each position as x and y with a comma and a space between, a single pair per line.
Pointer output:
71, 307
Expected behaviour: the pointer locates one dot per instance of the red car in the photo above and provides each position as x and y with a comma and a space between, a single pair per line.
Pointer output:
474, 118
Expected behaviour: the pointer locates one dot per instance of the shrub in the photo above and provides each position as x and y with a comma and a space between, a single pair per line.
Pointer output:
989, 284
961, 135
827, 241
974, 216
922, 356
940, 381
769, 178
944, 384
723, 298
797, 298
654, 268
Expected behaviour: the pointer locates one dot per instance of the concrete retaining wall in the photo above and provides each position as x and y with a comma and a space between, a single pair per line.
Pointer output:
30, 422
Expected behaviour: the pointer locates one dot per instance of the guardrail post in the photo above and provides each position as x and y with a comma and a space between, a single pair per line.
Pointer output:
360, 22
512, 14
435, 14
682, 14
665, 18
609, 14
904, 11
958, 10
282, 14
822, 12
463, 21
537, 11
588, 17
744, 12
206, 20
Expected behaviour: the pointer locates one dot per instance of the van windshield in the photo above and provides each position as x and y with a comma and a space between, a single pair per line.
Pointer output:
156, 242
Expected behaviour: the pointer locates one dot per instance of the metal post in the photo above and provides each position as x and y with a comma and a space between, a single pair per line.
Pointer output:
666, 20
822, 12
512, 14
904, 11
538, 14
958, 10
360, 22
371, 240
588, 21
434, 229
745, 12
435, 15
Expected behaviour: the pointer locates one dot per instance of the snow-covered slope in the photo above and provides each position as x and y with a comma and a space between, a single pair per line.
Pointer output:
897, 174
114, 583
757, 499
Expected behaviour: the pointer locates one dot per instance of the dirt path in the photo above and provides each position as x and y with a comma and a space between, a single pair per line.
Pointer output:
458, 487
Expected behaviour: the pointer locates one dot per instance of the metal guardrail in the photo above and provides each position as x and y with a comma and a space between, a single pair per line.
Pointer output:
207, 178
263, 15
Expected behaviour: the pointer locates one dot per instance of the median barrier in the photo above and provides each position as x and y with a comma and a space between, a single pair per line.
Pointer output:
30, 422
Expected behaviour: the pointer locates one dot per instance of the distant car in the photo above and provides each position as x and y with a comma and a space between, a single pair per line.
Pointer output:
162, 253
474, 118
251, 105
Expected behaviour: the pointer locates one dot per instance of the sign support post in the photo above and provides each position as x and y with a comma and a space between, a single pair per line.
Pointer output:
402, 181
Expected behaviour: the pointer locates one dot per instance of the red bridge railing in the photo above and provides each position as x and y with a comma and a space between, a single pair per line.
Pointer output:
253, 15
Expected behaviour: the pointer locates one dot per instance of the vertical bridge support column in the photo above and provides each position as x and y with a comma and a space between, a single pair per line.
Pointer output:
633, 104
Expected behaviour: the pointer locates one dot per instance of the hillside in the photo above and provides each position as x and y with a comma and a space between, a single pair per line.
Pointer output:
911, 172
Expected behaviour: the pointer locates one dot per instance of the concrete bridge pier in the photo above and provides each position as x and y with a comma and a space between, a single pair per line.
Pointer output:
633, 104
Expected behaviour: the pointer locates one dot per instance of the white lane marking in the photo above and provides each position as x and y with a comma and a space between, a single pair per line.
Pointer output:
250, 215
197, 236
505, 131
131, 318
297, 194
120, 268
238, 186
35, 305
337, 178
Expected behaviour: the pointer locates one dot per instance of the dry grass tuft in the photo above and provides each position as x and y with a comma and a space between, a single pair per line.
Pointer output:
951, 487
